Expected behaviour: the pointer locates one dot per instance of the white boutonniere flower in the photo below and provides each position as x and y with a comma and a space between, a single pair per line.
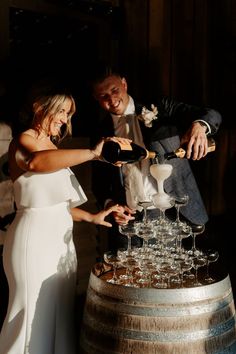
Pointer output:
148, 116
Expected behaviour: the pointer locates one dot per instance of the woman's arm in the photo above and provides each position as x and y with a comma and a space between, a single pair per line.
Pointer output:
29, 158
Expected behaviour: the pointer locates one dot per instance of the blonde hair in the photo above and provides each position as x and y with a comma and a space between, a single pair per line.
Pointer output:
49, 106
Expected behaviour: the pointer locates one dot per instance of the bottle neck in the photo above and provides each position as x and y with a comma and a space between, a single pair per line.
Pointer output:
211, 144
151, 155
180, 153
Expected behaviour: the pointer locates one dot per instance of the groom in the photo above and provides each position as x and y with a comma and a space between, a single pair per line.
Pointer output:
162, 127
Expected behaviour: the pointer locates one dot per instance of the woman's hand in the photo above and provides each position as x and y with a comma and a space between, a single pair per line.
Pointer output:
97, 151
123, 215
99, 218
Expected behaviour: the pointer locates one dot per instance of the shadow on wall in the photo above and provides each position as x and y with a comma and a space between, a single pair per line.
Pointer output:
7, 209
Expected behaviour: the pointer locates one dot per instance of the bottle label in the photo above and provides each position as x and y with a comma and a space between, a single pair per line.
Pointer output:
125, 146
211, 145
151, 155
180, 153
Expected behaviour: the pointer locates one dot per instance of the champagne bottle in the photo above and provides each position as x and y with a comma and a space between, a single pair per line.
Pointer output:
181, 152
115, 152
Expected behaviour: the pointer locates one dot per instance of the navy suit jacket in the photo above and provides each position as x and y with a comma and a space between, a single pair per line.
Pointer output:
174, 118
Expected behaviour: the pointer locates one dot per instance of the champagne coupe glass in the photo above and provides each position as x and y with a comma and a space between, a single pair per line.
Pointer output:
112, 258
178, 260
180, 201
196, 230
212, 256
145, 204
161, 172
173, 272
164, 235
198, 261
129, 263
164, 269
145, 231
146, 266
183, 232
186, 265
129, 230
163, 201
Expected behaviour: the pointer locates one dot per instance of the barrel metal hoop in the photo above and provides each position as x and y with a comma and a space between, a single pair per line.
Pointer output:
161, 336
144, 309
165, 296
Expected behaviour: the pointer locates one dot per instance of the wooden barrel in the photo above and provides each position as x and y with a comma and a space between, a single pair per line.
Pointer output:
119, 319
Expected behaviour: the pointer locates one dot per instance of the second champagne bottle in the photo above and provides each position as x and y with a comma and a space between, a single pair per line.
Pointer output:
118, 153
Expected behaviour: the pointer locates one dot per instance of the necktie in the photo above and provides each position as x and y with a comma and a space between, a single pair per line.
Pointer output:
125, 126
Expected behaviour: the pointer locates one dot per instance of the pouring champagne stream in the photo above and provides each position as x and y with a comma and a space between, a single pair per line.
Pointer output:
161, 199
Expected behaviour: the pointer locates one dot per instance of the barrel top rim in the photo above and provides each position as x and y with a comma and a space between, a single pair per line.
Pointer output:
214, 290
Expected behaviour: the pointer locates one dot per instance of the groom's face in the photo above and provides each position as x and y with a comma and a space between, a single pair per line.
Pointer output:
112, 94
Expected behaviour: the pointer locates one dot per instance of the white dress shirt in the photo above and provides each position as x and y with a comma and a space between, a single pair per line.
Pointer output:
138, 182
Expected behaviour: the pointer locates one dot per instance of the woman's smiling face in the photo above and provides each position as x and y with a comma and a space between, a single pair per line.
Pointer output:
53, 122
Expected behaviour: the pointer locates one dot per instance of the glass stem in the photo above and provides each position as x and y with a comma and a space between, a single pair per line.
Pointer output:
177, 214
194, 242
145, 245
129, 244
160, 187
196, 275
144, 215
180, 245
162, 216
182, 279
207, 269
114, 273
129, 275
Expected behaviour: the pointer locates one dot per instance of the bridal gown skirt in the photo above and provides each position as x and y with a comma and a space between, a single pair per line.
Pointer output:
40, 264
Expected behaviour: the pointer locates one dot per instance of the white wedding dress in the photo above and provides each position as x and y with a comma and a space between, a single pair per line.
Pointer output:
40, 263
